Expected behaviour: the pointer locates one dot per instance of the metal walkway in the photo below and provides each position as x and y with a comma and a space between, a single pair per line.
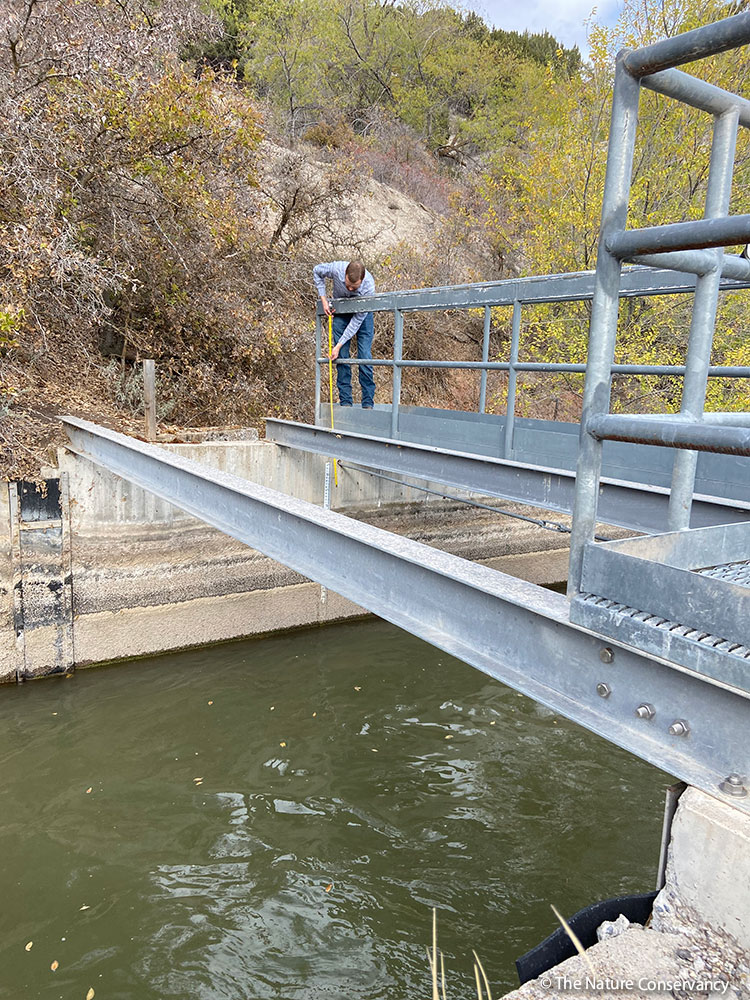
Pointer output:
651, 650
634, 505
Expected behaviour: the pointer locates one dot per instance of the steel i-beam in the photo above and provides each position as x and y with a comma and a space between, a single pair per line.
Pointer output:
629, 505
511, 630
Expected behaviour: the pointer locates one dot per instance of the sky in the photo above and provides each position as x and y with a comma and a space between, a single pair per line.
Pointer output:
565, 19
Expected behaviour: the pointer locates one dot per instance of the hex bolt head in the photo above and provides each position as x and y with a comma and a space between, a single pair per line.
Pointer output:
606, 654
645, 711
603, 690
679, 728
733, 785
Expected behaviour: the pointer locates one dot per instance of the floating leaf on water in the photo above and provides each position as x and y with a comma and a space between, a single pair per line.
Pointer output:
89, 791
84, 907
329, 887
314, 714
357, 687
374, 750
283, 743
197, 779
449, 737
29, 945
55, 965
272, 708
90, 995
210, 703
494, 721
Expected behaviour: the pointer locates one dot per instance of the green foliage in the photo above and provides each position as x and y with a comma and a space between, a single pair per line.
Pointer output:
541, 48
319, 60
10, 324
552, 177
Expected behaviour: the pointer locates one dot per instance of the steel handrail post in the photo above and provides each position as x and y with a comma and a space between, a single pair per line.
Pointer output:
510, 405
485, 359
398, 351
705, 304
604, 313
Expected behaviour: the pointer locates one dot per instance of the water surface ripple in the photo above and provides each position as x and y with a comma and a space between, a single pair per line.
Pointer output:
276, 818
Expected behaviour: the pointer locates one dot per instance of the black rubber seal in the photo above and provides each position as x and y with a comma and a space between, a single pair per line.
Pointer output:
558, 946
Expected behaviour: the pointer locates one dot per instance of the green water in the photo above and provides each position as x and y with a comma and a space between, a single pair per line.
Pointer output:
334, 812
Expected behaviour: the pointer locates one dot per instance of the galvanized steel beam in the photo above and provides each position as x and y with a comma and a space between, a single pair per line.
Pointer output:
698, 262
578, 286
604, 313
689, 46
716, 371
513, 631
697, 93
696, 235
724, 439
641, 508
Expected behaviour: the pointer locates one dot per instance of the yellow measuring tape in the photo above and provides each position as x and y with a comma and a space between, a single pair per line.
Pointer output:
330, 386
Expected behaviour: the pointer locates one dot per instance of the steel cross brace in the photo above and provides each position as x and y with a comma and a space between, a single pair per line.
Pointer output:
511, 630
629, 505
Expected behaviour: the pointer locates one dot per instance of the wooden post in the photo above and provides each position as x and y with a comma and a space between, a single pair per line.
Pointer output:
149, 398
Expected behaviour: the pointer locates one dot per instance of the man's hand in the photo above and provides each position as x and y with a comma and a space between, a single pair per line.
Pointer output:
326, 306
335, 352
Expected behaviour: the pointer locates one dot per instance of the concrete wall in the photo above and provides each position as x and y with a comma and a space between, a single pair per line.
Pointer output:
707, 882
8, 655
120, 573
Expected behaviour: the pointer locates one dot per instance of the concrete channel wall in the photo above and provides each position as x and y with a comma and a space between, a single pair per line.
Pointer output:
93, 568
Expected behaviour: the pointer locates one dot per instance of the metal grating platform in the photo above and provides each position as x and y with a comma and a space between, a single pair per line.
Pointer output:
693, 648
734, 572
684, 596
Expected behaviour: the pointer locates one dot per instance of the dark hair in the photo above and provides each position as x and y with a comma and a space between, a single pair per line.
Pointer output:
355, 270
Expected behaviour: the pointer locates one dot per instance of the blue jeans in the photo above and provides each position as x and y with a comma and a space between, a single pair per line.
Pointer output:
364, 350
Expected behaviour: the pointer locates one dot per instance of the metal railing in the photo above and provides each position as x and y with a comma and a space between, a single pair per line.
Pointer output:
696, 247
517, 293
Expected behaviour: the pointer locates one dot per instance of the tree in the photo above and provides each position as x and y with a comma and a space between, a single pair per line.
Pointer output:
553, 179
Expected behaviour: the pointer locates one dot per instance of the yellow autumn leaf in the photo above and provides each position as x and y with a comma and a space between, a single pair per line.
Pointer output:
89, 791
283, 743
55, 965
29, 945
90, 995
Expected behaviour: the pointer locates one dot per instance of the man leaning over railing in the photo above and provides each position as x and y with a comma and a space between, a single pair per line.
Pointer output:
349, 280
